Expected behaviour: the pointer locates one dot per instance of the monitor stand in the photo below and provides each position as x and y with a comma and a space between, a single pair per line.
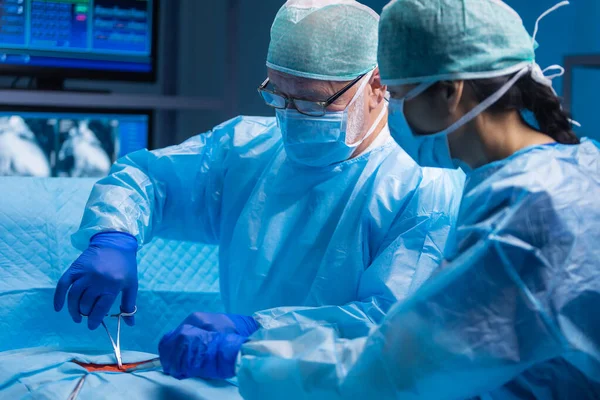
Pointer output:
58, 84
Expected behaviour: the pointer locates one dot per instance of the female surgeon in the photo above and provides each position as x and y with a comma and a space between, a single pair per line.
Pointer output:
512, 312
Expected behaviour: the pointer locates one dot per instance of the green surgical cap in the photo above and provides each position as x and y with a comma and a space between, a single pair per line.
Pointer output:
433, 40
333, 40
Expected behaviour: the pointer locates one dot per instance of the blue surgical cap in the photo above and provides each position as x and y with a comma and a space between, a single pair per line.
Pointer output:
433, 40
333, 40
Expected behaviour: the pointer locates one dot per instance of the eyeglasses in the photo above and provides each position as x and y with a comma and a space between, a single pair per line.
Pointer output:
310, 108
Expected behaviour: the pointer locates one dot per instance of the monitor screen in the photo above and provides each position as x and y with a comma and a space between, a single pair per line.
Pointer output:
93, 35
68, 144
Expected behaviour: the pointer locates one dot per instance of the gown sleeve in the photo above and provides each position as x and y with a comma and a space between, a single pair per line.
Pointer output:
519, 293
174, 193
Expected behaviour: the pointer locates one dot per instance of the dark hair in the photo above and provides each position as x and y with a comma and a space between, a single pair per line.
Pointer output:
533, 96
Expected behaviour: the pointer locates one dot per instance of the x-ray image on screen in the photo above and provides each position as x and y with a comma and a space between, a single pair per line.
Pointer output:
86, 147
67, 145
21, 152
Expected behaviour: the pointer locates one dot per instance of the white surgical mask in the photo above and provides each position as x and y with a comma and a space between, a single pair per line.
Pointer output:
322, 141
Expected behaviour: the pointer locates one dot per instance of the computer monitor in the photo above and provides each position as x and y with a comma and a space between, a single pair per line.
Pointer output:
103, 39
68, 143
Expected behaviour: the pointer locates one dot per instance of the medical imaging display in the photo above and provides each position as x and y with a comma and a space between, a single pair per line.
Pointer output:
67, 144
105, 35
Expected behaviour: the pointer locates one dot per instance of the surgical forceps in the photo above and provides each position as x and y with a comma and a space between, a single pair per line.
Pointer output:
75, 393
117, 345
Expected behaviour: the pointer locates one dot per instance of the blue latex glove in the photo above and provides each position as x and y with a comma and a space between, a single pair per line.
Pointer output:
105, 269
189, 351
223, 323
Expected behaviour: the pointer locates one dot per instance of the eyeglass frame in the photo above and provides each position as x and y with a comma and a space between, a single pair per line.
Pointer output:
323, 104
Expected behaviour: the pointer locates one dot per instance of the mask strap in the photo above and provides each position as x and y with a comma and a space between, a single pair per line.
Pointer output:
561, 71
372, 129
540, 76
544, 14
537, 74
484, 105
379, 117
418, 90
362, 86
375, 124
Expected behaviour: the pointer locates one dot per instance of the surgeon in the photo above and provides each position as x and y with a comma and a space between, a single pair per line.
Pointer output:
321, 218
512, 313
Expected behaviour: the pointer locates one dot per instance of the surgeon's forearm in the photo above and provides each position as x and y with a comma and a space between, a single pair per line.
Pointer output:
296, 362
124, 201
457, 337
170, 193
468, 331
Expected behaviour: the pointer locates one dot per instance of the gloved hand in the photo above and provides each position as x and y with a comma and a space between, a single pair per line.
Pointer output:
223, 323
105, 269
189, 351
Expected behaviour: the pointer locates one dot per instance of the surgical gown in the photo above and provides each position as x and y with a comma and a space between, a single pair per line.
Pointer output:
512, 315
336, 245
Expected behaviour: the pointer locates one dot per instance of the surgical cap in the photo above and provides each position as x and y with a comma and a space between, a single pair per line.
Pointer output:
333, 40
433, 40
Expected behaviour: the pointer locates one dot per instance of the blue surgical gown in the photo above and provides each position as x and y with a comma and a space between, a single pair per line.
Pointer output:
512, 315
336, 245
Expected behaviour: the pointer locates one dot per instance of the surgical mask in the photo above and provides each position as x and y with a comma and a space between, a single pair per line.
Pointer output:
322, 141
426, 150
432, 150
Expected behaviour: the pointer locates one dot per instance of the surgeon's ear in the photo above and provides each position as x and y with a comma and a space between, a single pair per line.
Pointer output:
452, 94
378, 90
